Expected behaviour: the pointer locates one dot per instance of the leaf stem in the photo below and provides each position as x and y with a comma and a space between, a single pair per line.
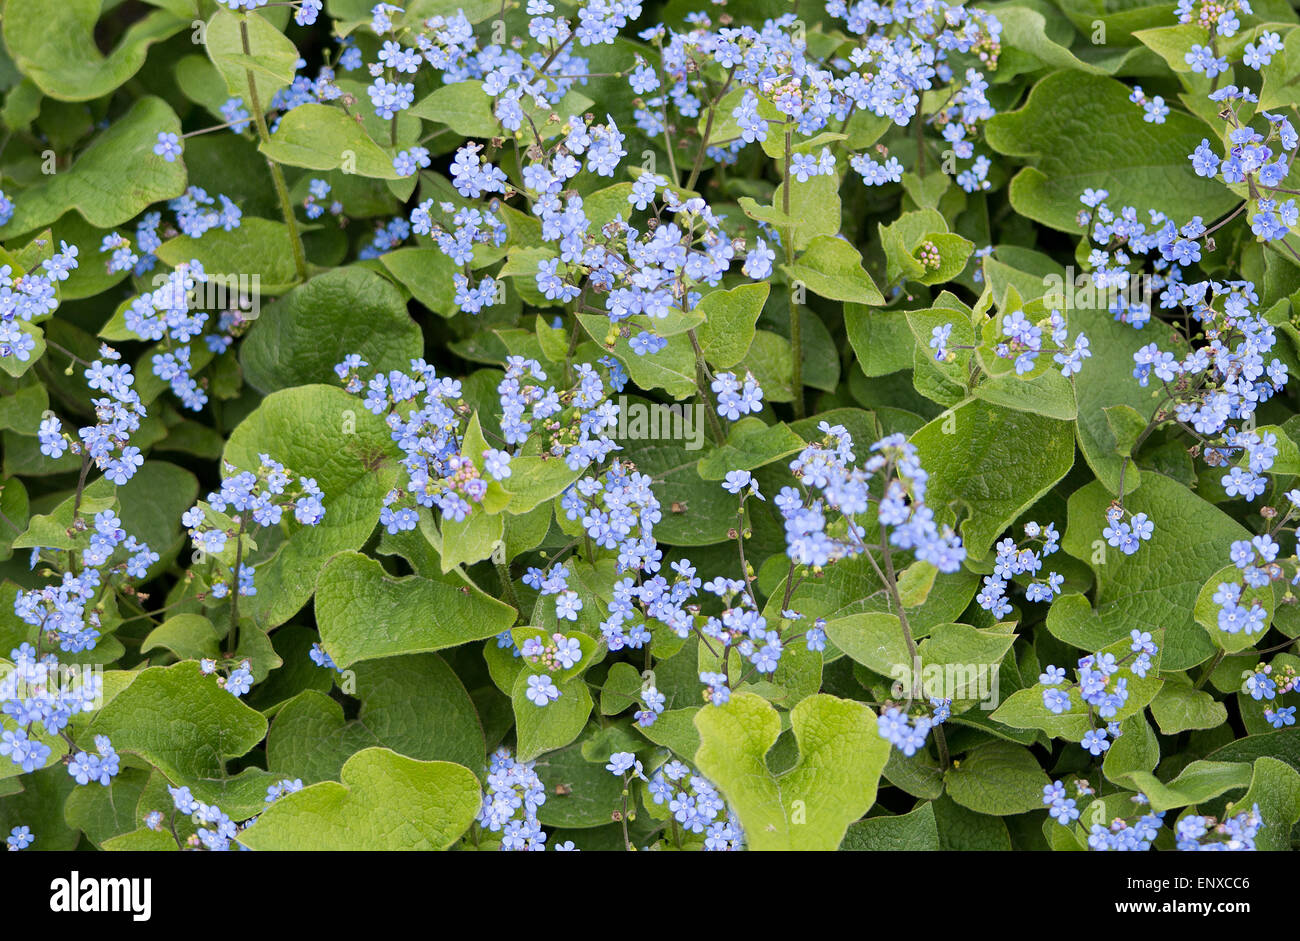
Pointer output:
796, 330
277, 175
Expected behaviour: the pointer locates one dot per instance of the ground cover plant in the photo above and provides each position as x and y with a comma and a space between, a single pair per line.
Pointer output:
614, 425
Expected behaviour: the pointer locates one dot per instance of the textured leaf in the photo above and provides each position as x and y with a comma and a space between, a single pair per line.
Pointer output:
323, 433
383, 802
809, 806
364, 613
299, 339
1087, 145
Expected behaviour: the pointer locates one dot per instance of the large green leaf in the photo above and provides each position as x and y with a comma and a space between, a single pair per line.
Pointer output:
383, 802
258, 248
1000, 778
417, 706
364, 613
810, 806
271, 58
324, 433
1090, 145
300, 337
54, 45
1156, 586
321, 137
188, 727
114, 179
977, 455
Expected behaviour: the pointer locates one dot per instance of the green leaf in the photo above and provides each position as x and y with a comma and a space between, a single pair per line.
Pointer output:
1280, 86
470, 540
810, 806
322, 137
1206, 611
188, 636
324, 433
1105, 391
299, 339
832, 268
873, 639
271, 58
1199, 781
427, 274
1136, 749
364, 613
814, 210
464, 107
53, 44
1025, 30
910, 833
52, 530
729, 319
258, 248
579, 793
974, 455
1089, 145
20, 411
540, 729
1024, 709
1178, 707
1160, 583
1275, 787
535, 479
751, 444
383, 802
188, 727
1000, 778
416, 705
113, 180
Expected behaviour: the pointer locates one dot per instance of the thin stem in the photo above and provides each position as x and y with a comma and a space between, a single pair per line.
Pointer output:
233, 640
1214, 665
277, 175
708, 130
507, 585
796, 330
627, 840
702, 384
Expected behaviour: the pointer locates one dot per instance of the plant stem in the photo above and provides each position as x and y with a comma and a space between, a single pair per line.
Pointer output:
796, 331
702, 384
507, 586
277, 175
232, 640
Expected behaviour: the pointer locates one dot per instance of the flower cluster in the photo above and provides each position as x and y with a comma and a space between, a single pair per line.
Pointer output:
908, 732
29, 295
831, 483
1122, 834
41, 696
1022, 341
1100, 688
118, 413
511, 796
1262, 683
1199, 833
102, 766
248, 500
215, 832
1013, 560
69, 611
694, 803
